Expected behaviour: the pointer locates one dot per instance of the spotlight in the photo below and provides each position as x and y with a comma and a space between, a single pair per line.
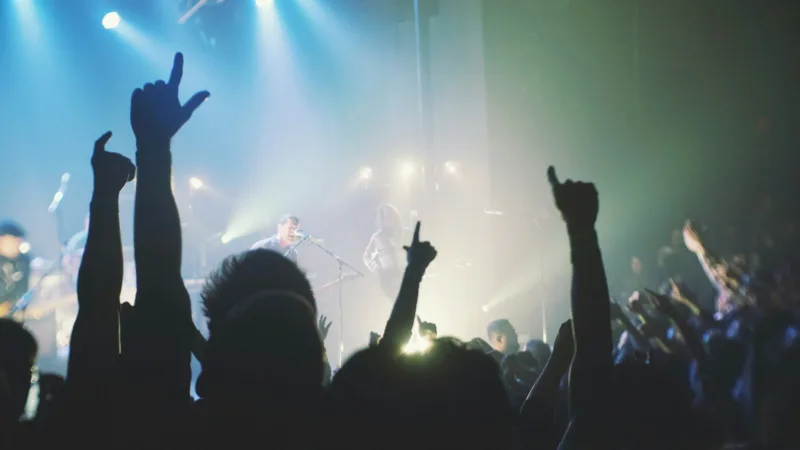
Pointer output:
225, 238
111, 20
406, 170
450, 168
262, 3
365, 173
196, 183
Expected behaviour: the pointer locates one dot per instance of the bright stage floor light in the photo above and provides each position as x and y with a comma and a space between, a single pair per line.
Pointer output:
262, 3
111, 20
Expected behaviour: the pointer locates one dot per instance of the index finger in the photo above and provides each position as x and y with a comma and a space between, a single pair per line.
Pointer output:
552, 177
416, 233
177, 70
100, 143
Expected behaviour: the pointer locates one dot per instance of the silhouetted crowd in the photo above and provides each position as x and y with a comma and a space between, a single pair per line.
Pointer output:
654, 372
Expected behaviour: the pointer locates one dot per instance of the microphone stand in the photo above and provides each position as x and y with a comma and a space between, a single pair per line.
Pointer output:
27, 298
340, 265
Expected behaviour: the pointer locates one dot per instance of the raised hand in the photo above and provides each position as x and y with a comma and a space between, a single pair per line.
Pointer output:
564, 345
156, 111
111, 170
692, 239
577, 201
420, 253
324, 326
427, 330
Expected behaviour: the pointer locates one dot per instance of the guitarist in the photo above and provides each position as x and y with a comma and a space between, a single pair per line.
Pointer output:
384, 255
15, 266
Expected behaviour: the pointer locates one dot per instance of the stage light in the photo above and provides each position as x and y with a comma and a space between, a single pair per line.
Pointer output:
225, 238
24, 248
196, 183
450, 168
365, 173
262, 3
111, 20
406, 170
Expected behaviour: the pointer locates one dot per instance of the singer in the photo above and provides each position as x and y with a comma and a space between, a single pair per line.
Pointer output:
286, 237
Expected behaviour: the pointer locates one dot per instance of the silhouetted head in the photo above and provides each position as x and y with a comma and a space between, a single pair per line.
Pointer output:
262, 373
503, 337
266, 348
17, 356
655, 408
445, 397
241, 276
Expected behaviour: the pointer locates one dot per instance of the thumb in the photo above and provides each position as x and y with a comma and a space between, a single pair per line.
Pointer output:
552, 177
194, 103
100, 143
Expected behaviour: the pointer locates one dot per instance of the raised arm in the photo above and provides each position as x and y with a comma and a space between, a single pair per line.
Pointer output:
401, 321
161, 330
590, 374
94, 344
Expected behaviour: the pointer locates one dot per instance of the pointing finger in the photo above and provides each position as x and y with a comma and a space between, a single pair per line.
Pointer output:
415, 240
552, 177
100, 144
177, 71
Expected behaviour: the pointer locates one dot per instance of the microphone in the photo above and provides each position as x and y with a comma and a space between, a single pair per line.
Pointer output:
59, 194
301, 234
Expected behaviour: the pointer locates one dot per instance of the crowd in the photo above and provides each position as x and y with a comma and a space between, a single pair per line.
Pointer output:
654, 372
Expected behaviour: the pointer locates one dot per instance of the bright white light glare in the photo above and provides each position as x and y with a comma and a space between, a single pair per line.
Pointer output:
261, 3
406, 170
450, 168
111, 20
195, 183
365, 173
24, 248
417, 346
225, 238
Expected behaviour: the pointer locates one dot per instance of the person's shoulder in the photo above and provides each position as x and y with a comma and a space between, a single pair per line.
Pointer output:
263, 243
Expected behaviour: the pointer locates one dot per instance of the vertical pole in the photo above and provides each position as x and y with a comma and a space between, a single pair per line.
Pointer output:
426, 150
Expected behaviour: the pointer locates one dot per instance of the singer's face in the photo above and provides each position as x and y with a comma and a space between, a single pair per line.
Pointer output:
287, 230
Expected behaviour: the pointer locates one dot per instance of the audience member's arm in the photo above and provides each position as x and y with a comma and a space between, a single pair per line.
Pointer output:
160, 342
537, 413
94, 346
590, 373
401, 321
